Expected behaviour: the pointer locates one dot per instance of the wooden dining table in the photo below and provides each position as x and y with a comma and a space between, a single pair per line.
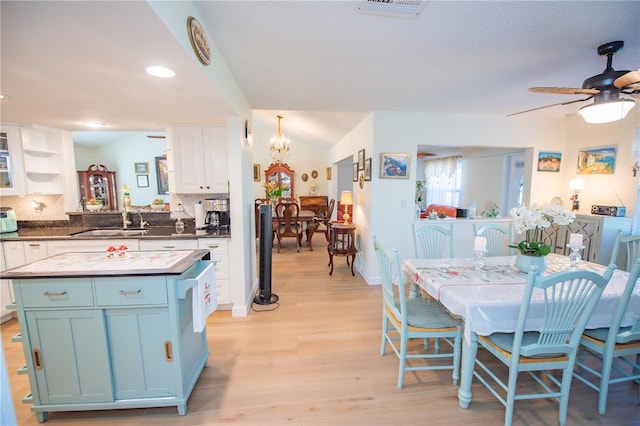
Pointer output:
307, 218
488, 299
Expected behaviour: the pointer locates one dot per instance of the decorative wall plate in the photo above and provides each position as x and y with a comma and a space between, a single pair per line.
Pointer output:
361, 180
198, 40
305, 177
314, 174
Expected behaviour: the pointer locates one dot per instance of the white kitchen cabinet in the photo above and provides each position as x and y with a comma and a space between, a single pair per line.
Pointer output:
219, 252
154, 245
35, 250
11, 161
197, 159
6, 292
43, 159
14, 254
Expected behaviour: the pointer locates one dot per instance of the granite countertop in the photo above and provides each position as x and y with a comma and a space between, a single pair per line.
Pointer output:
70, 233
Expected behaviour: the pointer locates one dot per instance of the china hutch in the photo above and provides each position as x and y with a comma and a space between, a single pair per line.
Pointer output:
281, 173
99, 183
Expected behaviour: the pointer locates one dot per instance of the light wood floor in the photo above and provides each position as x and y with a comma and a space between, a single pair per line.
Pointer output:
315, 360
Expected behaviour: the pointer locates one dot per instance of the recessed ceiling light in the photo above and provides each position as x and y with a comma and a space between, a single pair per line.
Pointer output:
94, 124
160, 71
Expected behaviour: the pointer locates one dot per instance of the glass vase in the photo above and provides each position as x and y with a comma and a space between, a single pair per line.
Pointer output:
127, 202
524, 263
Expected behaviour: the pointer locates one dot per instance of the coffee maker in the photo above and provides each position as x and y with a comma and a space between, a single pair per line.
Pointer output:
217, 214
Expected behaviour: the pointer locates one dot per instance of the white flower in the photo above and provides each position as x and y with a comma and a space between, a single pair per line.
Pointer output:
526, 219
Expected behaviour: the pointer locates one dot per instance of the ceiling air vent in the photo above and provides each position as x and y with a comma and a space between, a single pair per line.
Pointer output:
396, 8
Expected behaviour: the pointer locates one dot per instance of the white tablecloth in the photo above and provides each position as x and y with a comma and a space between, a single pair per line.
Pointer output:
489, 299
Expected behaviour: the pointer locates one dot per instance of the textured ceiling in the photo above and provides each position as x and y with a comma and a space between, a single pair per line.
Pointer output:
322, 64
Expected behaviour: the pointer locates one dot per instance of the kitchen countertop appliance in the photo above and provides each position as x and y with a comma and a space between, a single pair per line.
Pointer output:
8, 222
217, 214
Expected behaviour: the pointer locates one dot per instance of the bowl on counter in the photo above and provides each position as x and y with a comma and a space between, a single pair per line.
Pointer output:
157, 206
94, 207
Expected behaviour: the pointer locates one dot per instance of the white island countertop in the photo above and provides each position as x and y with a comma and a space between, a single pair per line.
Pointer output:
109, 264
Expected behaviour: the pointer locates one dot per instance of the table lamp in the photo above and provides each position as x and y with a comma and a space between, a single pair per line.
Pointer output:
576, 185
346, 199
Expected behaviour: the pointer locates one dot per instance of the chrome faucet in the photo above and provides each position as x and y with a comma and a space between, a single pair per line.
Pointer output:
143, 222
125, 220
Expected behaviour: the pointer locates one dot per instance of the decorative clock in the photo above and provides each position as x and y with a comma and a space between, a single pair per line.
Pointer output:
199, 40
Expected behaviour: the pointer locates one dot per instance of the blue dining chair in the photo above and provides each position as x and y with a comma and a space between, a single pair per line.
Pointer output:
431, 242
630, 245
418, 318
612, 346
569, 299
498, 237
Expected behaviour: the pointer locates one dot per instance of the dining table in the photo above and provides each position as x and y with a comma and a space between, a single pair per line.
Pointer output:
488, 299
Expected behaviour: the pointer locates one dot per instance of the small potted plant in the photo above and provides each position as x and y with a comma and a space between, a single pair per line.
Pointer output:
94, 204
157, 204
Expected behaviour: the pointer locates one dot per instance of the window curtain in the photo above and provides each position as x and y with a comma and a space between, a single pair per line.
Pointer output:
445, 166
443, 180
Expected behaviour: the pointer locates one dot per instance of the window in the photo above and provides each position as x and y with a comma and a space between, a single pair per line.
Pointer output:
443, 177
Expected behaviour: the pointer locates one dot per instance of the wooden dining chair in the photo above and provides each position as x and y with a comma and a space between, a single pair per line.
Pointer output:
288, 223
569, 300
322, 222
630, 245
612, 346
418, 318
498, 237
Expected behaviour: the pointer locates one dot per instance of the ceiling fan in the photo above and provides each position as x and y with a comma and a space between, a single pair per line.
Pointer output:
605, 89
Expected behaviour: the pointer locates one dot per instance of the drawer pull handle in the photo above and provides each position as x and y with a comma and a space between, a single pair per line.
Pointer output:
213, 246
34, 245
37, 359
168, 351
169, 247
128, 292
50, 294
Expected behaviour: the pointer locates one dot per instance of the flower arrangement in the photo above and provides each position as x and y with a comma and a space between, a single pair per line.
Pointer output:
274, 189
531, 222
491, 213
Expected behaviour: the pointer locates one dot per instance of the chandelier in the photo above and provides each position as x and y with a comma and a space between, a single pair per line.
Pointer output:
279, 145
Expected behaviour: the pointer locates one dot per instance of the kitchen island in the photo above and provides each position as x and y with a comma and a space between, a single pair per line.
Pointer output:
110, 330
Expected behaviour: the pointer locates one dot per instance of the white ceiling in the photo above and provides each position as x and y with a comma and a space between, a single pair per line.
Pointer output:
320, 64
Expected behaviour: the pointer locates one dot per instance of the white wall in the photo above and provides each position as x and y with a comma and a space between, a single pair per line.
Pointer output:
386, 207
120, 156
305, 156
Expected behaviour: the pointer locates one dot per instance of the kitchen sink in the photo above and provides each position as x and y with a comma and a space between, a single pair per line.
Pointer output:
111, 233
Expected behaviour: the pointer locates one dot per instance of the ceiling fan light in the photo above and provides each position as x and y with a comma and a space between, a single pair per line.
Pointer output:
606, 112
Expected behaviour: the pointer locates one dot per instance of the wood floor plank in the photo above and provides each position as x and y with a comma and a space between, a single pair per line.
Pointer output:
315, 360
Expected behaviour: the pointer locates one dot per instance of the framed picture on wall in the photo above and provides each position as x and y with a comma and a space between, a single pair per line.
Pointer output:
355, 172
394, 165
141, 168
162, 175
549, 161
367, 169
597, 161
143, 181
361, 159
256, 173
